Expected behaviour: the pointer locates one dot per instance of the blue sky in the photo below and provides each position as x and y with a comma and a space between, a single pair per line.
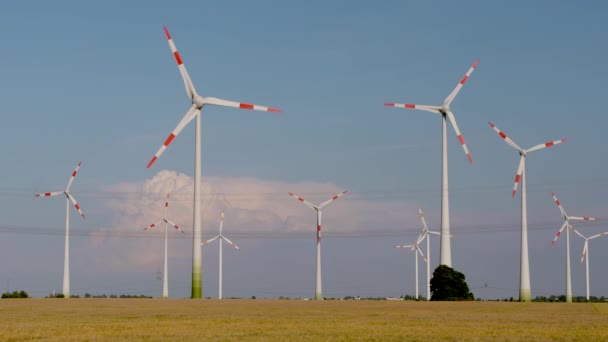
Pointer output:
96, 81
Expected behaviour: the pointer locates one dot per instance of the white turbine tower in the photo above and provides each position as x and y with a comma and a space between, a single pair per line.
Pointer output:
586, 254
198, 102
167, 222
69, 198
568, 226
416, 247
221, 237
444, 110
317, 208
426, 232
525, 292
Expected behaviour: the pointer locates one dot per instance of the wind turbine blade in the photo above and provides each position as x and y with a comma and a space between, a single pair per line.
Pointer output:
210, 240
421, 254
504, 137
598, 235
75, 203
221, 222
432, 109
190, 91
421, 215
333, 199
559, 205
174, 225
190, 114
583, 218
226, 103
404, 246
154, 225
520, 170
579, 234
584, 254
312, 206
559, 232
448, 100
67, 189
459, 135
167, 201
49, 194
547, 144
421, 238
229, 242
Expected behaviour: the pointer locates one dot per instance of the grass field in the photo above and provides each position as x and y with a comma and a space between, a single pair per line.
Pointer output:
291, 320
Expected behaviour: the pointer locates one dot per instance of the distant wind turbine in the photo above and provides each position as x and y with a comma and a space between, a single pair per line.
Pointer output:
221, 237
416, 247
317, 208
444, 110
426, 232
586, 254
525, 292
167, 222
198, 102
69, 198
568, 226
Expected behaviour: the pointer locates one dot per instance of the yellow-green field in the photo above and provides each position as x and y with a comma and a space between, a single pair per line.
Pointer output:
291, 320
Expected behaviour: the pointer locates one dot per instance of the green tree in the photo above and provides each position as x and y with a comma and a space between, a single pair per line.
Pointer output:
449, 284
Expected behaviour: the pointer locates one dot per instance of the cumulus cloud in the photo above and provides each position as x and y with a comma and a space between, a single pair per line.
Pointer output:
253, 207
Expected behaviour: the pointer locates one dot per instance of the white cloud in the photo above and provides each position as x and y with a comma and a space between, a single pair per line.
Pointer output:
253, 207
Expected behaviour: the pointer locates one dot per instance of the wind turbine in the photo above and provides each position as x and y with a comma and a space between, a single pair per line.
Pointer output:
167, 222
426, 232
525, 293
416, 247
221, 237
69, 198
198, 102
444, 110
586, 254
567, 225
317, 208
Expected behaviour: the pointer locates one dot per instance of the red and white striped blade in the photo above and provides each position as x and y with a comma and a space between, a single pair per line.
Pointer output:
333, 199
229, 242
598, 235
448, 100
49, 194
221, 222
520, 170
432, 109
190, 114
504, 137
210, 240
75, 203
73, 176
559, 205
545, 145
579, 233
421, 215
226, 103
302, 200
421, 238
420, 252
153, 225
174, 225
460, 137
190, 91
583, 218
584, 254
404, 246
559, 232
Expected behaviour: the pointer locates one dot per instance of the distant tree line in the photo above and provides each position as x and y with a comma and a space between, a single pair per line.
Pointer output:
15, 294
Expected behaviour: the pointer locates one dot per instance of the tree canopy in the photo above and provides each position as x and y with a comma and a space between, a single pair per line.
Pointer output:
449, 284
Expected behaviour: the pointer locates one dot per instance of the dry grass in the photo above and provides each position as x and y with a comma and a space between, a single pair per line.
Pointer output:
290, 320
